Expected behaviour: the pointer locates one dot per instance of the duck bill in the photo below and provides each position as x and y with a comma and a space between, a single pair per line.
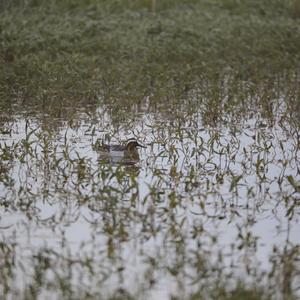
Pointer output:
141, 146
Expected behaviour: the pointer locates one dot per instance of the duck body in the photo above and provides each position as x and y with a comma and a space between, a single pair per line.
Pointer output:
121, 153
113, 150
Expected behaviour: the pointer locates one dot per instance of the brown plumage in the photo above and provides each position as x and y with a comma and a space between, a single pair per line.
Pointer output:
127, 151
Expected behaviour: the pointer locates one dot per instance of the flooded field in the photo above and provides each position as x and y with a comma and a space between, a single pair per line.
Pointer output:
211, 203
210, 209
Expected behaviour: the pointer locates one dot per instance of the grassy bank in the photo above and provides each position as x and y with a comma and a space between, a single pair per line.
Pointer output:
63, 49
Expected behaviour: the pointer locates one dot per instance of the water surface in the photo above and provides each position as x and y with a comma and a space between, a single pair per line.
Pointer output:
213, 200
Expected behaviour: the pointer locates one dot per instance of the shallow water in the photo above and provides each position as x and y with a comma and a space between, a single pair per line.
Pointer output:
206, 202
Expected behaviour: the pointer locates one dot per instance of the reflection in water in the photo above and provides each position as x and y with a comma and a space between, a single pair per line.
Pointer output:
201, 206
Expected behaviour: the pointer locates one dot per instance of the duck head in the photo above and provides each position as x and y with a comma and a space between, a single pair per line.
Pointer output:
132, 145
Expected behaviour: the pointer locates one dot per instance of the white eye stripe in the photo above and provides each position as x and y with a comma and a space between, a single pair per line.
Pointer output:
130, 141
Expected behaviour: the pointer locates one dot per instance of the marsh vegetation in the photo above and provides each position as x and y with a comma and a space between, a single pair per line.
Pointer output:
212, 208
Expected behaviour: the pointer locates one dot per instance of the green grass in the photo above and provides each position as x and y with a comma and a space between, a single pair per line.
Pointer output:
62, 50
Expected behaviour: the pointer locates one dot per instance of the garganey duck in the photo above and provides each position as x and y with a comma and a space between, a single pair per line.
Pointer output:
127, 153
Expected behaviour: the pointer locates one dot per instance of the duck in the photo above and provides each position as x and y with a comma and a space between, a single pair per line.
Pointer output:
122, 153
